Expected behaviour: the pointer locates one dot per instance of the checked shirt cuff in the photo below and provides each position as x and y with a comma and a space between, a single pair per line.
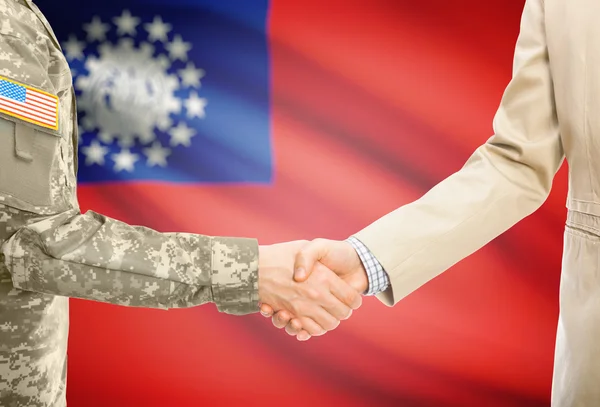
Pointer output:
378, 279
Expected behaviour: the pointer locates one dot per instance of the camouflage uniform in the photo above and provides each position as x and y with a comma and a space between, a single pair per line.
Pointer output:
51, 251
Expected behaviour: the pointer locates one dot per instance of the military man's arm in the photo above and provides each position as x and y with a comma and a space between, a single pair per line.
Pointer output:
94, 257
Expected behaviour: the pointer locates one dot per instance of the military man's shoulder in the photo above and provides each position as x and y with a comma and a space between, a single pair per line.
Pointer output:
24, 52
19, 20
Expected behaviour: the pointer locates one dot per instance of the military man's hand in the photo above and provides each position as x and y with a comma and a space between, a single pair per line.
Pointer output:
318, 304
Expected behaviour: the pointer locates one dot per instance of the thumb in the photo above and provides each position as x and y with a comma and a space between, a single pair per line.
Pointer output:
307, 257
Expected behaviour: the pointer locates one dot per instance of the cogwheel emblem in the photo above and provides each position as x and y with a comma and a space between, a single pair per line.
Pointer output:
137, 94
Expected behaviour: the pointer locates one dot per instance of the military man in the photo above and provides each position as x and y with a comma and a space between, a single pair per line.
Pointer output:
51, 251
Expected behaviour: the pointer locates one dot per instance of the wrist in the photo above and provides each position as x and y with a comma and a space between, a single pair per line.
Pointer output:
363, 280
359, 278
261, 272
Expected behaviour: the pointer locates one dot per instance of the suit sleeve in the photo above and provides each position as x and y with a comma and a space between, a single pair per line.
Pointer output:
505, 180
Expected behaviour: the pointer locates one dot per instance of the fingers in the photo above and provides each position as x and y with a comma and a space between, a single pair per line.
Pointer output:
322, 318
303, 336
281, 319
345, 293
322, 306
266, 310
294, 327
311, 327
307, 257
335, 307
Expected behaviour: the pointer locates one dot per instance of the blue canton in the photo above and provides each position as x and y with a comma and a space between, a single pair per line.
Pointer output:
12, 91
171, 91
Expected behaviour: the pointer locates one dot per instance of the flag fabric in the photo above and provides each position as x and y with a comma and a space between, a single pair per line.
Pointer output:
175, 92
29, 104
292, 120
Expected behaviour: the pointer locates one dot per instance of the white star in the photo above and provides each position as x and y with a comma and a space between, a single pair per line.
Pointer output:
181, 134
157, 155
190, 75
195, 105
178, 49
157, 30
96, 30
124, 160
74, 48
126, 23
94, 153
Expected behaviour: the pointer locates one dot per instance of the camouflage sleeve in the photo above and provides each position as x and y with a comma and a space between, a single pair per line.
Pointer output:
93, 257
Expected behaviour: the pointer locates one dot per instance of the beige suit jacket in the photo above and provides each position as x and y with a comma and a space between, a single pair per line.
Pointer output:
550, 110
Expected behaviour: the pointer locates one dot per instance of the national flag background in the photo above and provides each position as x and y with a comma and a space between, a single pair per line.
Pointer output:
368, 105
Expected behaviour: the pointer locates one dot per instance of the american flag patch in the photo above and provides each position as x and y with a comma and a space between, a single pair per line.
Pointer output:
29, 104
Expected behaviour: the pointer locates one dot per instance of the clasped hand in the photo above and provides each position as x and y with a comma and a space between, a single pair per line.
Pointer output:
310, 287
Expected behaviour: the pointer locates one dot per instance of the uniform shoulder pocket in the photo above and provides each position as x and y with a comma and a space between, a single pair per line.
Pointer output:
32, 177
27, 157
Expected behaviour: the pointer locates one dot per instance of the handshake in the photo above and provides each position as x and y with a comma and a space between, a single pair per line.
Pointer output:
309, 287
